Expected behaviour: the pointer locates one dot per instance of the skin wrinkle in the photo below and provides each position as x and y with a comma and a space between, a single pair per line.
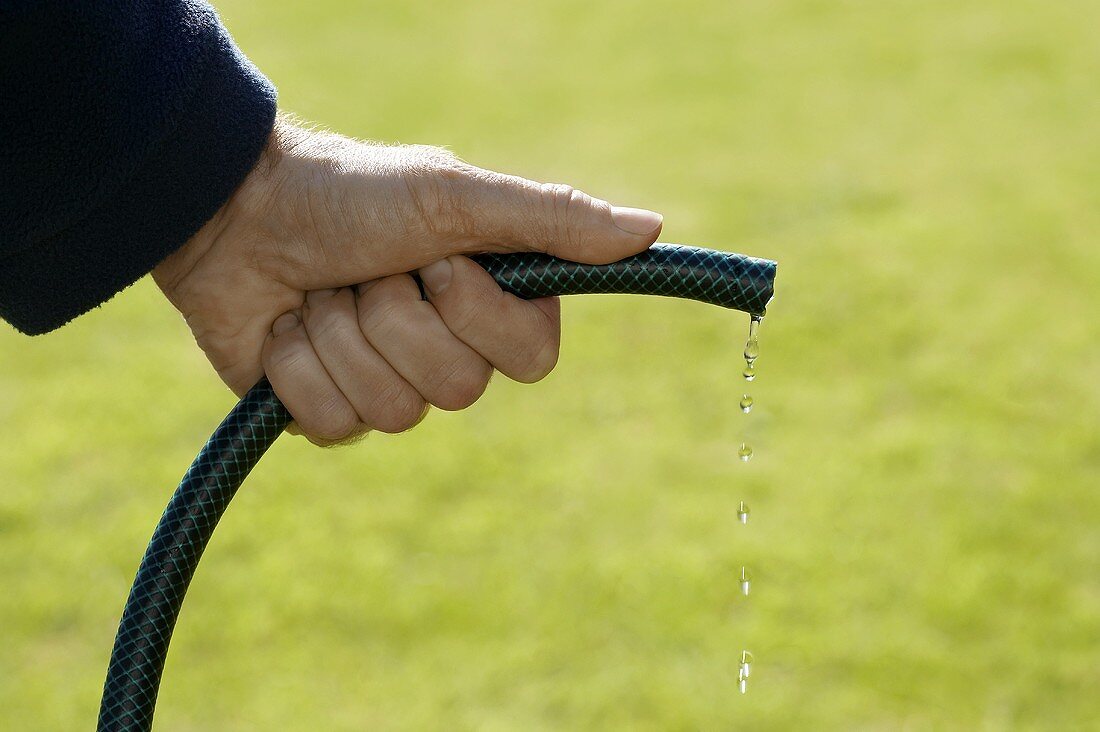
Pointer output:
383, 319
400, 410
397, 393
458, 385
406, 409
339, 421
417, 202
325, 327
275, 270
471, 311
558, 197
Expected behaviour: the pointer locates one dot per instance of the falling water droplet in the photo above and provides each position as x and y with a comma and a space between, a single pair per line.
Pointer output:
752, 352
752, 345
746, 664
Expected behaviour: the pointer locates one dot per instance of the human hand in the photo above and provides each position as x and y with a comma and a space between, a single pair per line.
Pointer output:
304, 275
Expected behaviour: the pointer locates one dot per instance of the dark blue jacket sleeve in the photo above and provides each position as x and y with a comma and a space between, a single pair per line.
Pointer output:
124, 126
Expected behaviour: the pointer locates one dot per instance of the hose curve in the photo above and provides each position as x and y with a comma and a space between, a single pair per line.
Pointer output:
145, 631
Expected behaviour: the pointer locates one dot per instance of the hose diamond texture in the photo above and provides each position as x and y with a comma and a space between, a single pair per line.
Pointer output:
719, 278
141, 646
170, 561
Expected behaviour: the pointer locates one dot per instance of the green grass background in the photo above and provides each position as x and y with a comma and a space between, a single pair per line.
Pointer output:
925, 495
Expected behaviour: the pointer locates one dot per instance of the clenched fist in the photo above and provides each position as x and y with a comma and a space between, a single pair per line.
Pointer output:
304, 275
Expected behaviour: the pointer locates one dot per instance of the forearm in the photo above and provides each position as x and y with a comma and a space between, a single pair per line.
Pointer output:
123, 128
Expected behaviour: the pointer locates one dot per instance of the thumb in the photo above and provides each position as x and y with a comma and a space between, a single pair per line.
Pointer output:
505, 212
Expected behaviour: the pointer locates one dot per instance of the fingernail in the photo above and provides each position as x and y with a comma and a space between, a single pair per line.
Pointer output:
437, 276
284, 323
637, 221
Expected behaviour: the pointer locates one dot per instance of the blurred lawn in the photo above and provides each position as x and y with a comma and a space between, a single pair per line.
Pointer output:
925, 531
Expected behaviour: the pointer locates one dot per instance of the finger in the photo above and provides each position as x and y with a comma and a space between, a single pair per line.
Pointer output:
378, 394
410, 335
519, 338
374, 211
515, 214
303, 385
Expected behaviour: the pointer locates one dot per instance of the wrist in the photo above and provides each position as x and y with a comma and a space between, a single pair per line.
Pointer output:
246, 199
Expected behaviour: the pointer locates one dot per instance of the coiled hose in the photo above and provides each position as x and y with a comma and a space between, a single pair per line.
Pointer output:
141, 646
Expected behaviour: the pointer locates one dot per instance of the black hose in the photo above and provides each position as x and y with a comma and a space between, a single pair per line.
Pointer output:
141, 646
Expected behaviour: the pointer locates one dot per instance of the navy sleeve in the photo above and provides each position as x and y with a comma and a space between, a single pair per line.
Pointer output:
124, 126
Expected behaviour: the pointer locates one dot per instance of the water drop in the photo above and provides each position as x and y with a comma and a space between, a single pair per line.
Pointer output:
743, 512
746, 664
745, 580
752, 345
742, 681
744, 452
749, 373
746, 403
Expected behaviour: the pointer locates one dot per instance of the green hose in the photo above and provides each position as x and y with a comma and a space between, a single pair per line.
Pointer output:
141, 645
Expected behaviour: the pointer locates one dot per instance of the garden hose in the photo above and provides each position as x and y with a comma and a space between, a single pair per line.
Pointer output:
141, 646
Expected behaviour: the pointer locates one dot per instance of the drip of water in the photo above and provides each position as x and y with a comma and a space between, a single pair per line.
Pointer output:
752, 345
752, 348
752, 352
746, 664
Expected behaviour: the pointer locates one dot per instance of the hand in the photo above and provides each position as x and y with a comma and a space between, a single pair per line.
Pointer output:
303, 275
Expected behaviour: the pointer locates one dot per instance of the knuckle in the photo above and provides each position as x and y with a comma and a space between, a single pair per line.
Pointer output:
333, 421
325, 325
379, 310
557, 196
556, 200
539, 360
470, 309
559, 202
399, 410
460, 384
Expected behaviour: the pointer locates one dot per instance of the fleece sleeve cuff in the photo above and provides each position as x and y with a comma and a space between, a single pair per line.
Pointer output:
220, 122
